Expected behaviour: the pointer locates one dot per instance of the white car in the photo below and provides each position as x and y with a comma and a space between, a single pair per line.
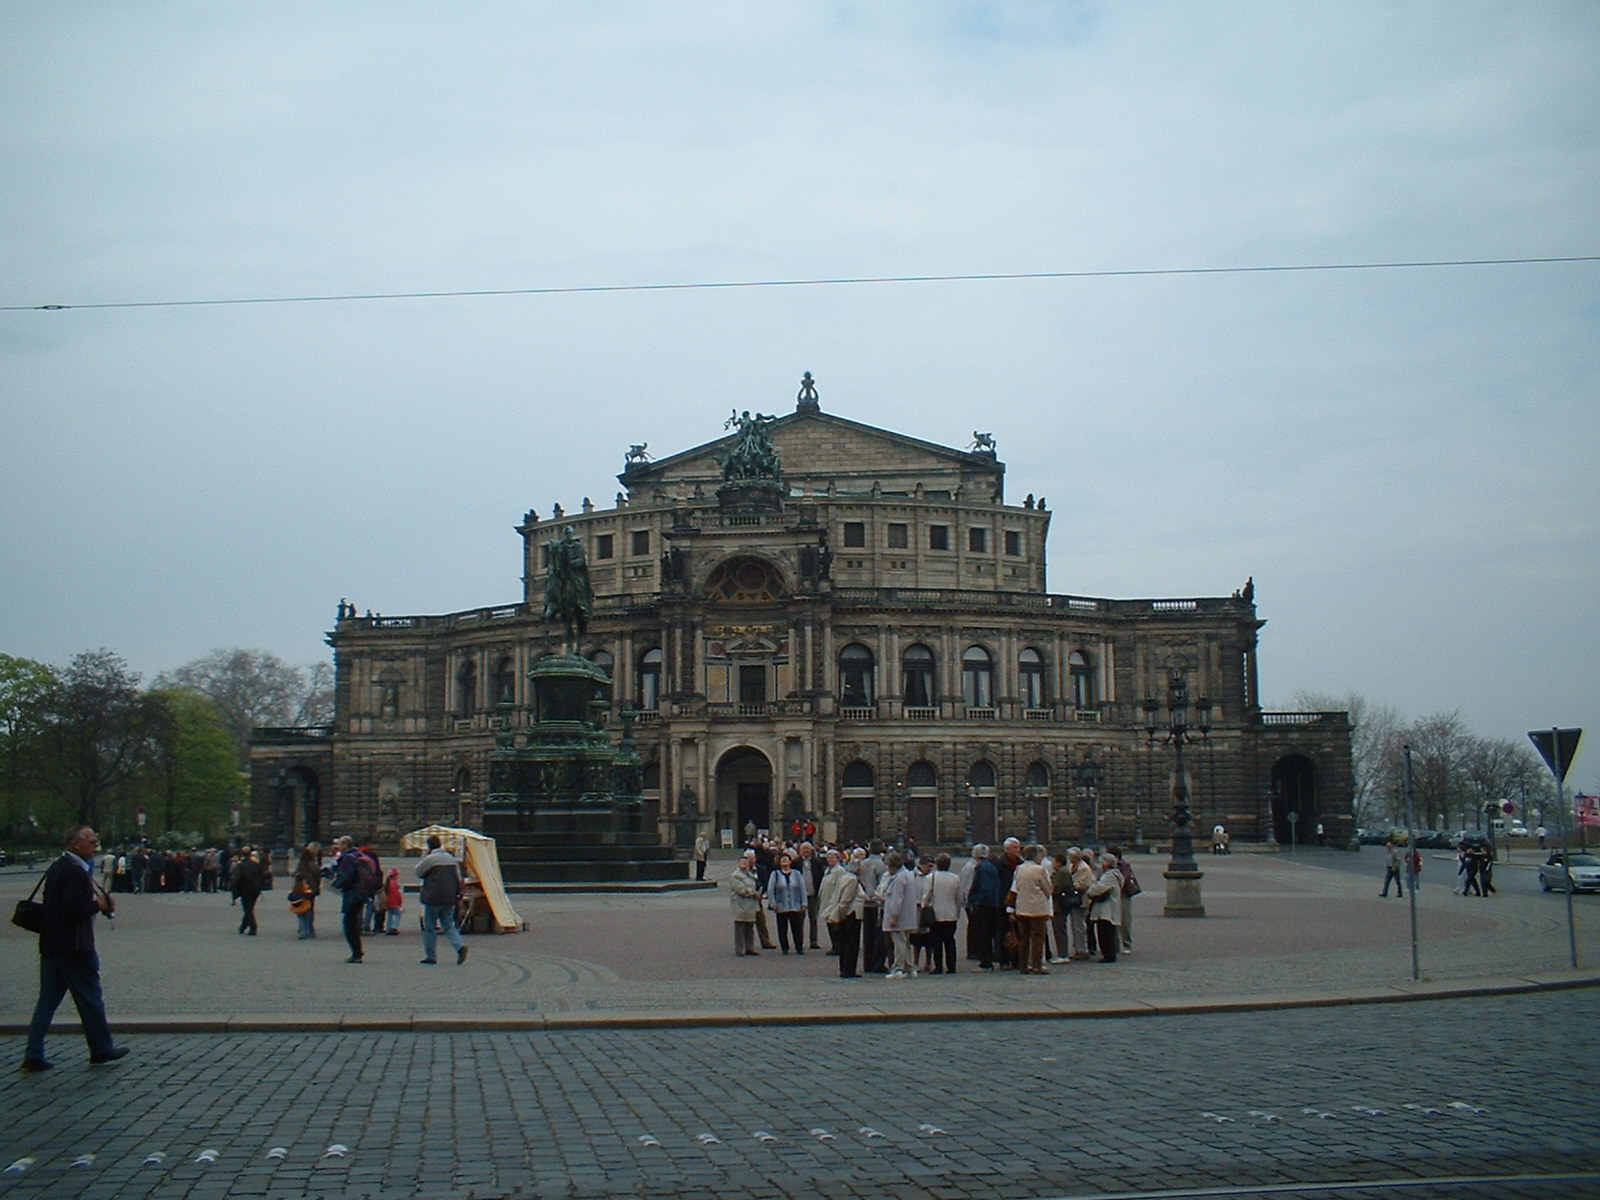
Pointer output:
1585, 873
1518, 829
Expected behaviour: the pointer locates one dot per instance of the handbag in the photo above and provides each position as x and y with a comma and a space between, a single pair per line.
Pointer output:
1130, 886
29, 913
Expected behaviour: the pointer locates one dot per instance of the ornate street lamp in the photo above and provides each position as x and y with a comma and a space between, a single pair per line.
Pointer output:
1182, 874
972, 800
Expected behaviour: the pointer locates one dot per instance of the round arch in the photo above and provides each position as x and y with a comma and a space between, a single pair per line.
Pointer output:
743, 783
1295, 804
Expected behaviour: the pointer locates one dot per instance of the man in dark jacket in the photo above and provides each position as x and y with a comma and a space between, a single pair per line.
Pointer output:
348, 877
246, 886
67, 958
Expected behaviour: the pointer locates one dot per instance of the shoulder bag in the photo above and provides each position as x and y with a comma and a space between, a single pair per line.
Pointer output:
29, 913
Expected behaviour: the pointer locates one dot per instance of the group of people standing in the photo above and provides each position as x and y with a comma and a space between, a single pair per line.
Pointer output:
895, 914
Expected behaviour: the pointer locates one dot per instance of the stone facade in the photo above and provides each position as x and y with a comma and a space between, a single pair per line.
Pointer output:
865, 640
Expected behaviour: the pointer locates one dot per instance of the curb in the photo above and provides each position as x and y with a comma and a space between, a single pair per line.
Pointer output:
1400, 993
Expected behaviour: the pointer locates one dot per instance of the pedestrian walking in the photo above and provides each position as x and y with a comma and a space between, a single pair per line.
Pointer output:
1391, 870
246, 888
67, 958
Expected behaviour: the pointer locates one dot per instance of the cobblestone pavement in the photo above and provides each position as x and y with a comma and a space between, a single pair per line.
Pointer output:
617, 1048
1346, 1102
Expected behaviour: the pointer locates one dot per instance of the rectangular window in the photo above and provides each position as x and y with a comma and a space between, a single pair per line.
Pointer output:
977, 540
641, 541
938, 537
604, 546
855, 534
898, 536
1014, 543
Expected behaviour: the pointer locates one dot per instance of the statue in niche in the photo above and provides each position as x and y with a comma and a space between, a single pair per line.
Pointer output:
568, 599
674, 568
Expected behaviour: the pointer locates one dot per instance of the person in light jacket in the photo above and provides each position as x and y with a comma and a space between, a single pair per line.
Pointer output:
1034, 904
842, 903
943, 895
786, 892
1104, 898
899, 890
745, 893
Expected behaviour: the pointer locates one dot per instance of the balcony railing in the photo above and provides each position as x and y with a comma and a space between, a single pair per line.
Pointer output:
981, 714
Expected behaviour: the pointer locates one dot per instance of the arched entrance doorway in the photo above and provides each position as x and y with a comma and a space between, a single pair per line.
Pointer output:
1294, 800
744, 789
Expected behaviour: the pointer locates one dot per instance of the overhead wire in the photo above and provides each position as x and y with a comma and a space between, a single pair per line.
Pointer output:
842, 281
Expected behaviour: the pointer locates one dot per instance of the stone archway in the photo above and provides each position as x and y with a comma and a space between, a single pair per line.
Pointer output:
1294, 800
744, 789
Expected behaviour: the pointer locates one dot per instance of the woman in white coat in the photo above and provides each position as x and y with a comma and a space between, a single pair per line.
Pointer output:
1104, 898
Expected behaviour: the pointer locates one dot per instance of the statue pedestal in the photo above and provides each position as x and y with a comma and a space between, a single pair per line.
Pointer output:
1183, 894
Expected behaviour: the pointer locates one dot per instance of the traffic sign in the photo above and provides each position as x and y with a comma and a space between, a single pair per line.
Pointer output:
1507, 807
1558, 747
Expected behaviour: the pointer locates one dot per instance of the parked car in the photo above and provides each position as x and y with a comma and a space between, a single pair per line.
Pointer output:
1518, 829
1585, 870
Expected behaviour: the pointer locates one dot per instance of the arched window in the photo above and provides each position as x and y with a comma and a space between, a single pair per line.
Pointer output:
505, 681
1030, 678
917, 678
858, 775
855, 676
1038, 776
981, 775
650, 680
921, 776
467, 688
1082, 670
977, 677
744, 581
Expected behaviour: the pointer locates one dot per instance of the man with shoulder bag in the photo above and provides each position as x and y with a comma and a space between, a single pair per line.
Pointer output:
441, 900
67, 958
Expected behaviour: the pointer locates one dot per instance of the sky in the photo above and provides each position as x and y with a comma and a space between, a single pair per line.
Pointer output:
1401, 457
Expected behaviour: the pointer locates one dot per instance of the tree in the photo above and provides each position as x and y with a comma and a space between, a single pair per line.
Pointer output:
316, 706
191, 780
94, 730
251, 688
23, 683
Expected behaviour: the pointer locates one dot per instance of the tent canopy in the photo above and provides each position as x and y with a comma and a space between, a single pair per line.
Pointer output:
481, 860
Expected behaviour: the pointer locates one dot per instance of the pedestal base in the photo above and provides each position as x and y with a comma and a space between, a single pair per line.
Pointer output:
1183, 894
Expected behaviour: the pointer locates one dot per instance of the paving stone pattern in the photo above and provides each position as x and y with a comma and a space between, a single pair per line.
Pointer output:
945, 1109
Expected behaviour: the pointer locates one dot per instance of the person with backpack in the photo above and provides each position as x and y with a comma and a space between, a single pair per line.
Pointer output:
355, 874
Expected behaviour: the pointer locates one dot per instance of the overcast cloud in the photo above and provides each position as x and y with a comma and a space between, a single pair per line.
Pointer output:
1403, 459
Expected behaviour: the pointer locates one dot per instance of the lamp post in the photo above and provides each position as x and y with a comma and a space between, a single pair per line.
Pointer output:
903, 817
972, 802
1182, 874
1089, 776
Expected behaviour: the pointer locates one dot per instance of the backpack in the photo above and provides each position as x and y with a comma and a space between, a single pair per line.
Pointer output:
366, 880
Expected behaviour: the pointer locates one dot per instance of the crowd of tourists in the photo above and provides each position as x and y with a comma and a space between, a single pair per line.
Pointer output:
895, 913
136, 868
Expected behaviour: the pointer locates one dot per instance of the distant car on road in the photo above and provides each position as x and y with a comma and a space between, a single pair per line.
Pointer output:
1518, 829
1585, 873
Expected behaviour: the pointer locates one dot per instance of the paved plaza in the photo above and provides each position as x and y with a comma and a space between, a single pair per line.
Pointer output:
618, 1048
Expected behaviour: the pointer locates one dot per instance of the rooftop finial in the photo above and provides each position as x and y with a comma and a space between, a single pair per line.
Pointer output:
808, 395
